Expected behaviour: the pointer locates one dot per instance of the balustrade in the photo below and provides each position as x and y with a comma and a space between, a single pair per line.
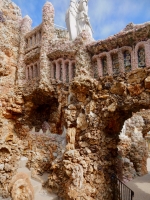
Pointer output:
34, 39
63, 70
32, 71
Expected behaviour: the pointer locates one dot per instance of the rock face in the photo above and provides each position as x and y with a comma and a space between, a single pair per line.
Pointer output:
63, 105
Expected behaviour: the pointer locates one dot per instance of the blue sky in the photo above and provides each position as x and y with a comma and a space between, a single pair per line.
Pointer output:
107, 17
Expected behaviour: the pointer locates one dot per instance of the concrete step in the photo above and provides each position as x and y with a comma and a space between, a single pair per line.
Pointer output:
23, 161
48, 196
36, 185
24, 170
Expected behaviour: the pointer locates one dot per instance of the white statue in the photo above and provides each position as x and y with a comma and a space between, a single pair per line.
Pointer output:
77, 18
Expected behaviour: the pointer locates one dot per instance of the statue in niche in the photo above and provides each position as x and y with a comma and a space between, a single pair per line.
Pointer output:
77, 19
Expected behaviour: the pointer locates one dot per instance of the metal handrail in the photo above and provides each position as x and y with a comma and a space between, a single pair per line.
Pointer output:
120, 190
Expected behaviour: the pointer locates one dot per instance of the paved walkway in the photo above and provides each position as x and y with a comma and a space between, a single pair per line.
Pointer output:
141, 186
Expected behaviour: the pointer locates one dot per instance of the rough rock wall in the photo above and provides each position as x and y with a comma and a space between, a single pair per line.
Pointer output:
9, 102
94, 117
92, 111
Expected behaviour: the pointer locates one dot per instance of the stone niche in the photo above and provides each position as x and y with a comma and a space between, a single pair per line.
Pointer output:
44, 113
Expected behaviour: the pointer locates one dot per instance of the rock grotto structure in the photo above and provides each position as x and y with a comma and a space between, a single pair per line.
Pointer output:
64, 105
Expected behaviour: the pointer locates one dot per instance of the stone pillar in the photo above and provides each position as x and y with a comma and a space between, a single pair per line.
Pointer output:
47, 34
70, 71
33, 40
133, 64
25, 28
31, 72
53, 65
35, 70
58, 66
27, 73
136, 57
38, 64
147, 53
28, 45
63, 71
99, 66
109, 64
121, 61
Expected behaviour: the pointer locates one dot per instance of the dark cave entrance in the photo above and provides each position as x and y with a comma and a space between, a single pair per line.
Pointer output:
45, 114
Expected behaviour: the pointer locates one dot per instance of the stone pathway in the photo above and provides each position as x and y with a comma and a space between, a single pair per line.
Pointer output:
39, 192
141, 185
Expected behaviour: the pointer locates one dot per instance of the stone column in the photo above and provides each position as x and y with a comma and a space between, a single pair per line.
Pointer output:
33, 40
133, 64
25, 28
70, 71
63, 71
27, 73
58, 66
38, 69
31, 72
99, 66
147, 53
47, 34
35, 70
135, 58
28, 45
121, 61
109, 64
53, 65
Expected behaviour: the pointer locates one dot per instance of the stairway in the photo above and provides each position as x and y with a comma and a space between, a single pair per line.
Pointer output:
40, 193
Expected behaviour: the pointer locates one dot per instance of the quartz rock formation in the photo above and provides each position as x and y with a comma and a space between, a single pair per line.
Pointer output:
64, 102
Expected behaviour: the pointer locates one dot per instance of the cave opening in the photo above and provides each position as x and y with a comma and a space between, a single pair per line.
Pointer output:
45, 114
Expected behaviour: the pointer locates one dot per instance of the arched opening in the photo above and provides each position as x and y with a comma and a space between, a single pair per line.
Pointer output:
28, 73
35, 70
132, 148
127, 61
141, 58
104, 66
30, 41
31, 72
73, 70
115, 64
67, 72
39, 36
35, 36
95, 70
45, 111
54, 71
33, 40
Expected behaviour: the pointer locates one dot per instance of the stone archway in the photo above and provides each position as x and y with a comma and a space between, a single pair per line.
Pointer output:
105, 104
132, 147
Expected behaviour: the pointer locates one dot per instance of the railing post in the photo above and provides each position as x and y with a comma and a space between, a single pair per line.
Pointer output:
120, 190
